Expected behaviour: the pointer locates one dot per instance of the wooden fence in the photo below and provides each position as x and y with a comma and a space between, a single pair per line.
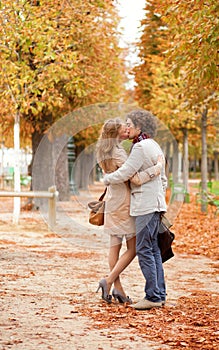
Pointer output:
51, 194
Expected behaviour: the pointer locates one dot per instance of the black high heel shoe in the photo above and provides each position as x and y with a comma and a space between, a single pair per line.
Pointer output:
105, 296
117, 295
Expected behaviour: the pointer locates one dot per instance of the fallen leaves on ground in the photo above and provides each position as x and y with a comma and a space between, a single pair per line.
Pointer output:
191, 323
196, 232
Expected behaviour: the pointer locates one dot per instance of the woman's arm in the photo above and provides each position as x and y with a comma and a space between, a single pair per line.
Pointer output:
147, 175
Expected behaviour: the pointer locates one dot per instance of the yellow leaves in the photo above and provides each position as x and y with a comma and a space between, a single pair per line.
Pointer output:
192, 47
87, 136
57, 59
177, 80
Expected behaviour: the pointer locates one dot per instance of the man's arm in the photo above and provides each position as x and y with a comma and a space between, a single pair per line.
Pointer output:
128, 169
144, 176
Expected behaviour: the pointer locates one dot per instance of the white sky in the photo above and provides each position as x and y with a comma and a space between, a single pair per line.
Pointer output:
131, 12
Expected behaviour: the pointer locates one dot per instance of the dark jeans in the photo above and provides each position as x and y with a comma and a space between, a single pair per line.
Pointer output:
149, 256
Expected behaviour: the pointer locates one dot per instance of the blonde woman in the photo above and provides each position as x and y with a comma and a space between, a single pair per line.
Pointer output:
117, 222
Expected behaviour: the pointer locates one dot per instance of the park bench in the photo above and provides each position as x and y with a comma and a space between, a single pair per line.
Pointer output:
8, 180
209, 199
51, 194
178, 192
215, 187
212, 187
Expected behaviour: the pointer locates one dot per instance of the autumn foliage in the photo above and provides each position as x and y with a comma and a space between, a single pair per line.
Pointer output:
57, 56
177, 77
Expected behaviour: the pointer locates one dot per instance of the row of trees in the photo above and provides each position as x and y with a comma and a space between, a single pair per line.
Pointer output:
177, 77
55, 56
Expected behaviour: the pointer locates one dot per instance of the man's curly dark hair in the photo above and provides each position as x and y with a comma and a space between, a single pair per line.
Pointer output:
145, 120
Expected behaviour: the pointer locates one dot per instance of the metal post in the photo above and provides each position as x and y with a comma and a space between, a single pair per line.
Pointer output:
71, 161
52, 207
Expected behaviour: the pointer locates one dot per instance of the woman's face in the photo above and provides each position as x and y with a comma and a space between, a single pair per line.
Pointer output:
123, 132
131, 129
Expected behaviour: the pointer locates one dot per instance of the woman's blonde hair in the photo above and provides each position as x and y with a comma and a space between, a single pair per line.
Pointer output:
106, 142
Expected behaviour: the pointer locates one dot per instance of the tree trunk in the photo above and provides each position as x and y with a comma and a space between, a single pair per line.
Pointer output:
50, 166
216, 173
84, 169
36, 138
17, 186
61, 176
41, 168
167, 154
195, 167
175, 168
204, 170
185, 159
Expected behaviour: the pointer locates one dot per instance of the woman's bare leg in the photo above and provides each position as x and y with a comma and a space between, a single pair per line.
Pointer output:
118, 264
115, 247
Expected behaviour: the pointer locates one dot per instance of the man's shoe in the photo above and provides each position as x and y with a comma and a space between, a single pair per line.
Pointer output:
145, 304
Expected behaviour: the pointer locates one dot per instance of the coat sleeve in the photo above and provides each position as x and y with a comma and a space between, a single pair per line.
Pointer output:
146, 175
128, 169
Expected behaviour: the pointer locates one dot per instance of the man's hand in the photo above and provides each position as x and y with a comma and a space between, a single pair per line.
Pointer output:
160, 159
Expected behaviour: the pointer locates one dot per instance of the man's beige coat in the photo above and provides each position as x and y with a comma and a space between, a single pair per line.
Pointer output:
150, 196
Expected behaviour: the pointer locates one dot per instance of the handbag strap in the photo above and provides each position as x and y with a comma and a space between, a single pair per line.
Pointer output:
102, 195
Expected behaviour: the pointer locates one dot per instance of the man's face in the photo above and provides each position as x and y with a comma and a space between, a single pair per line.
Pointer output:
132, 130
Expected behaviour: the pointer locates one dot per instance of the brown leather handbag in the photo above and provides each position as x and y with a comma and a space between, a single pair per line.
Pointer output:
96, 215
